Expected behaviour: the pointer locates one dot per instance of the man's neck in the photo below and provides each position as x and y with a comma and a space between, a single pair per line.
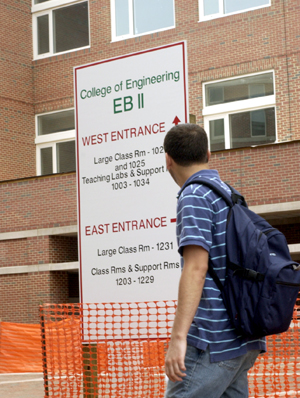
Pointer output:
184, 173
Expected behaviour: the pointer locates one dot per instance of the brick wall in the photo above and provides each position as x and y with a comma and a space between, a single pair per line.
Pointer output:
23, 293
265, 174
17, 131
38, 250
41, 202
63, 249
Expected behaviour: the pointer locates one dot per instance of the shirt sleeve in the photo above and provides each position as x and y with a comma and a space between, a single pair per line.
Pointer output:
194, 221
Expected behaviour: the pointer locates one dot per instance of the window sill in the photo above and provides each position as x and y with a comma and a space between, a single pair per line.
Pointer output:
62, 55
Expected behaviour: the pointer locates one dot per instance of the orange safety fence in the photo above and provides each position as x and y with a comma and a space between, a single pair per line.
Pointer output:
107, 350
117, 350
20, 348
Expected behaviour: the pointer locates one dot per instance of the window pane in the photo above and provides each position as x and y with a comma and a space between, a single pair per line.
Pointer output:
216, 134
252, 128
122, 17
149, 15
239, 5
258, 123
56, 122
211, 7
70, 27
43, 34
46, 161
39, 1
65, 152
239, 89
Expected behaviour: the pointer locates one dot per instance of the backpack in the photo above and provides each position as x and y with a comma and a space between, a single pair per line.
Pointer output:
262, 281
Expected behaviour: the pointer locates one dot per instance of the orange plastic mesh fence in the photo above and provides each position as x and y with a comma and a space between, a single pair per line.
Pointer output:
20, 348
106, 350
117, 350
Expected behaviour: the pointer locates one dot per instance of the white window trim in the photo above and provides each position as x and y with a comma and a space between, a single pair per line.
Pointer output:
50, 4
39, 10
57, 137
131, 33
221, 14
226, 116
258, 102
50, 140
54, 157
210, 109
223, 111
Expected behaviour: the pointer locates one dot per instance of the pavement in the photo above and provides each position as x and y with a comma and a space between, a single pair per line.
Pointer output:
21, 385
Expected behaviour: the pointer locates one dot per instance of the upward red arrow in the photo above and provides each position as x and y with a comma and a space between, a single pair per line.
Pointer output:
176, 120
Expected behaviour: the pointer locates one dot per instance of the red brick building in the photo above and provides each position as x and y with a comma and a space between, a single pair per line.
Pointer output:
244, 74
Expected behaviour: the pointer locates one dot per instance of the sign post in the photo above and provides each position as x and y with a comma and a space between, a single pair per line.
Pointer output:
126, 199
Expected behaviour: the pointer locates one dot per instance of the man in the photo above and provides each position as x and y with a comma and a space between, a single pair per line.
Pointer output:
206, 358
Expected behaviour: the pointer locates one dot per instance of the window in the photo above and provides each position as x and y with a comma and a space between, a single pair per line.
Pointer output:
210, 9
59, 29
137, 17
240, 112
55, 141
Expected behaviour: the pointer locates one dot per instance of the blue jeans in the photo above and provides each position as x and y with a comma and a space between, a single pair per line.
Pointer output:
224, 379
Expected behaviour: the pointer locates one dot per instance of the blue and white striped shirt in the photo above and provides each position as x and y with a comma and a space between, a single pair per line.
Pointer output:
201, 220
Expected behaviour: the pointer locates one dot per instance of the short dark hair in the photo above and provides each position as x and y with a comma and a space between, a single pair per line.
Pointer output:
186, 144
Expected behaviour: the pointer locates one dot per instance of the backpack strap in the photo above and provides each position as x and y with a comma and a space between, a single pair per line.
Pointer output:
235, 198
214, 186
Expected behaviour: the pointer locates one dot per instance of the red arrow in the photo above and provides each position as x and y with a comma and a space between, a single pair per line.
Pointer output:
176, 120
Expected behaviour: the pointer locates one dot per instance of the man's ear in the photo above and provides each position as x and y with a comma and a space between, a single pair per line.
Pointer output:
169, 161
208, 155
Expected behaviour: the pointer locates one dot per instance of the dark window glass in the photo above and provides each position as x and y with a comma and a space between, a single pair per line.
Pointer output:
43, 34
56, 122
46, 161
65, 152
239, 89
252, 128
70, 27
217, 135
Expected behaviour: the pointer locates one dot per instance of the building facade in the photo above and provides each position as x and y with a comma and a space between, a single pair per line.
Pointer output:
244, 75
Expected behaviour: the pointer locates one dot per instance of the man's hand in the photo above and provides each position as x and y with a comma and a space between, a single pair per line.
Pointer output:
174, 364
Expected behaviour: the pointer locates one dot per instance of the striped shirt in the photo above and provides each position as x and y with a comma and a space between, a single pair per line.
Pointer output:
201, 221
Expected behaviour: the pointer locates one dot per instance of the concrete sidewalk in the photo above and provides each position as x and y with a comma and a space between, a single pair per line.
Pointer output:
23, 385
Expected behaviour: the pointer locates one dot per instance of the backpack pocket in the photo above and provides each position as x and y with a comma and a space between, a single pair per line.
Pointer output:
275, 310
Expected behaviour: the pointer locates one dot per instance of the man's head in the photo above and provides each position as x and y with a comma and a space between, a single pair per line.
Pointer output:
186, 148
187, 144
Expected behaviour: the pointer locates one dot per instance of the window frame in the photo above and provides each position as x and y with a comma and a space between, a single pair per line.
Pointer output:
47, 8
50, 140
131, 34
223, 111
221, 14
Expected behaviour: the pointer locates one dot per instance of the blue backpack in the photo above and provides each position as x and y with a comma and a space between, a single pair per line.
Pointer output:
262, 281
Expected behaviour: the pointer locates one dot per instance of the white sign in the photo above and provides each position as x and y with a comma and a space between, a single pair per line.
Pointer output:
126, 198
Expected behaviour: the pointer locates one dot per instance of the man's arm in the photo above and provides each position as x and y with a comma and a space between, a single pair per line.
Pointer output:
190, 290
